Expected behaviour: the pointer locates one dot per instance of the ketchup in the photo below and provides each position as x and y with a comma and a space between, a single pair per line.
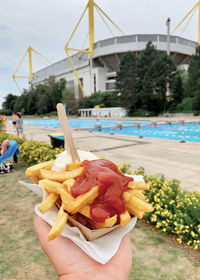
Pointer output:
111, 186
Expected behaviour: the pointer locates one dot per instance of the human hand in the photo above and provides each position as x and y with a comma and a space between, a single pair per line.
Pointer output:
70, 262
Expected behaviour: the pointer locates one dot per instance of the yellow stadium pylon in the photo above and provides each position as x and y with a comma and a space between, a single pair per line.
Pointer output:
191, 12
90, 7
30, 76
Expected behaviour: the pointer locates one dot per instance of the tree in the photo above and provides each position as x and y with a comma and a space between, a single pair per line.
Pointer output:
155, 71
177, 92
193, 83
110, 99
9, 102
32, 102
55, 91
21, 103
42, 104
184, 77
68, 97
126, 81
102, 99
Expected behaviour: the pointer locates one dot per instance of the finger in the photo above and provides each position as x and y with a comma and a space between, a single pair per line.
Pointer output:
54, 249
123, 257
62, 252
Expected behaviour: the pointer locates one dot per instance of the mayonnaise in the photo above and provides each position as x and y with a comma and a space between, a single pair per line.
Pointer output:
64, 158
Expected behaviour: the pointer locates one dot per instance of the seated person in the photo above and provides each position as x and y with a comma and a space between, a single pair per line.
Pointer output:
8, 149
4, 146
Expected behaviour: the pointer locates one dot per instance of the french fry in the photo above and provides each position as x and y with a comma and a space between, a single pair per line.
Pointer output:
60, 176
58, 185
48, 202
137, 194
137, 203
50, 186
68, 184
59, 224
83, 200
135, 212
66, 198
124, 218
73, 165
58, 188
35, 169
109, 222
35, 179
85, 211
139, 185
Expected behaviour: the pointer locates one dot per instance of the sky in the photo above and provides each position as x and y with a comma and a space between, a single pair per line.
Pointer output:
47, 25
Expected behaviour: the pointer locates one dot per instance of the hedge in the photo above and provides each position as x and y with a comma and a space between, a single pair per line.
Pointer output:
32, 152
176, 211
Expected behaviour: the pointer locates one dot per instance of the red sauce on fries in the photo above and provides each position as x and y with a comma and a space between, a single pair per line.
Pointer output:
111, 186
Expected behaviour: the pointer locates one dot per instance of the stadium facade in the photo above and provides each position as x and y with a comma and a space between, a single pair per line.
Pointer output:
106, 60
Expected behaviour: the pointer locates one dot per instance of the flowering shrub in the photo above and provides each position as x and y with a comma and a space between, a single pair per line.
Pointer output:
125, 168
176, 211
32, 152
1, 125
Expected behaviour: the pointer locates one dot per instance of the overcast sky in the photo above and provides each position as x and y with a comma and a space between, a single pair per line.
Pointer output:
47, 24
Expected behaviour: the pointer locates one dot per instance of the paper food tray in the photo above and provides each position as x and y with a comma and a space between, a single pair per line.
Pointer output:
99, 244
92, 234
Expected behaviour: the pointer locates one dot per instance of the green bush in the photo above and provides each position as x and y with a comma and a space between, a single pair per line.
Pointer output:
6, 112
176, 211
186, 106
32, 152
196, 113
53, 113
141, 113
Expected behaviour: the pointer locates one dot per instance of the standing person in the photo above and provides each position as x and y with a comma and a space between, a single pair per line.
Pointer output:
14, 117
19, 124
4, 119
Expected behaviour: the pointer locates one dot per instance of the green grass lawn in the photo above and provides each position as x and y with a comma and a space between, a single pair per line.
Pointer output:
21, 257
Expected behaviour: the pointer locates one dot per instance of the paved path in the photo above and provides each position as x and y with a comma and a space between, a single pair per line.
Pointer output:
171, 158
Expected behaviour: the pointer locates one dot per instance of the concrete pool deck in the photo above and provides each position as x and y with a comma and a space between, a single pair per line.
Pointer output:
169, 157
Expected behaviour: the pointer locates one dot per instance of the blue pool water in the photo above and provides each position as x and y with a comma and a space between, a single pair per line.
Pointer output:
190, 132
73, 123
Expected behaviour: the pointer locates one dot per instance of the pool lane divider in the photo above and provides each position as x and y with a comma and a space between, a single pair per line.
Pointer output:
141, 135
183, 134
112, 129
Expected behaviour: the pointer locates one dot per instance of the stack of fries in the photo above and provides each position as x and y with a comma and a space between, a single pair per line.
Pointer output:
58, 185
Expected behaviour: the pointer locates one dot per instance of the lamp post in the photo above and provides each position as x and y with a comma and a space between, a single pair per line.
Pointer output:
168, 35
168, 51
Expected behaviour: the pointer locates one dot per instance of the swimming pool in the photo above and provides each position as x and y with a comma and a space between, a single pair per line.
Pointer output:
74, 123
189, 132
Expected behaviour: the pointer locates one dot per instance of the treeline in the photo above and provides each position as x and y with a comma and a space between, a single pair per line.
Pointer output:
42, 99
150, 84
147, 83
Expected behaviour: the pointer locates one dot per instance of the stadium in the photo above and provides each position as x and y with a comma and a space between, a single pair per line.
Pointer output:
106, 60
